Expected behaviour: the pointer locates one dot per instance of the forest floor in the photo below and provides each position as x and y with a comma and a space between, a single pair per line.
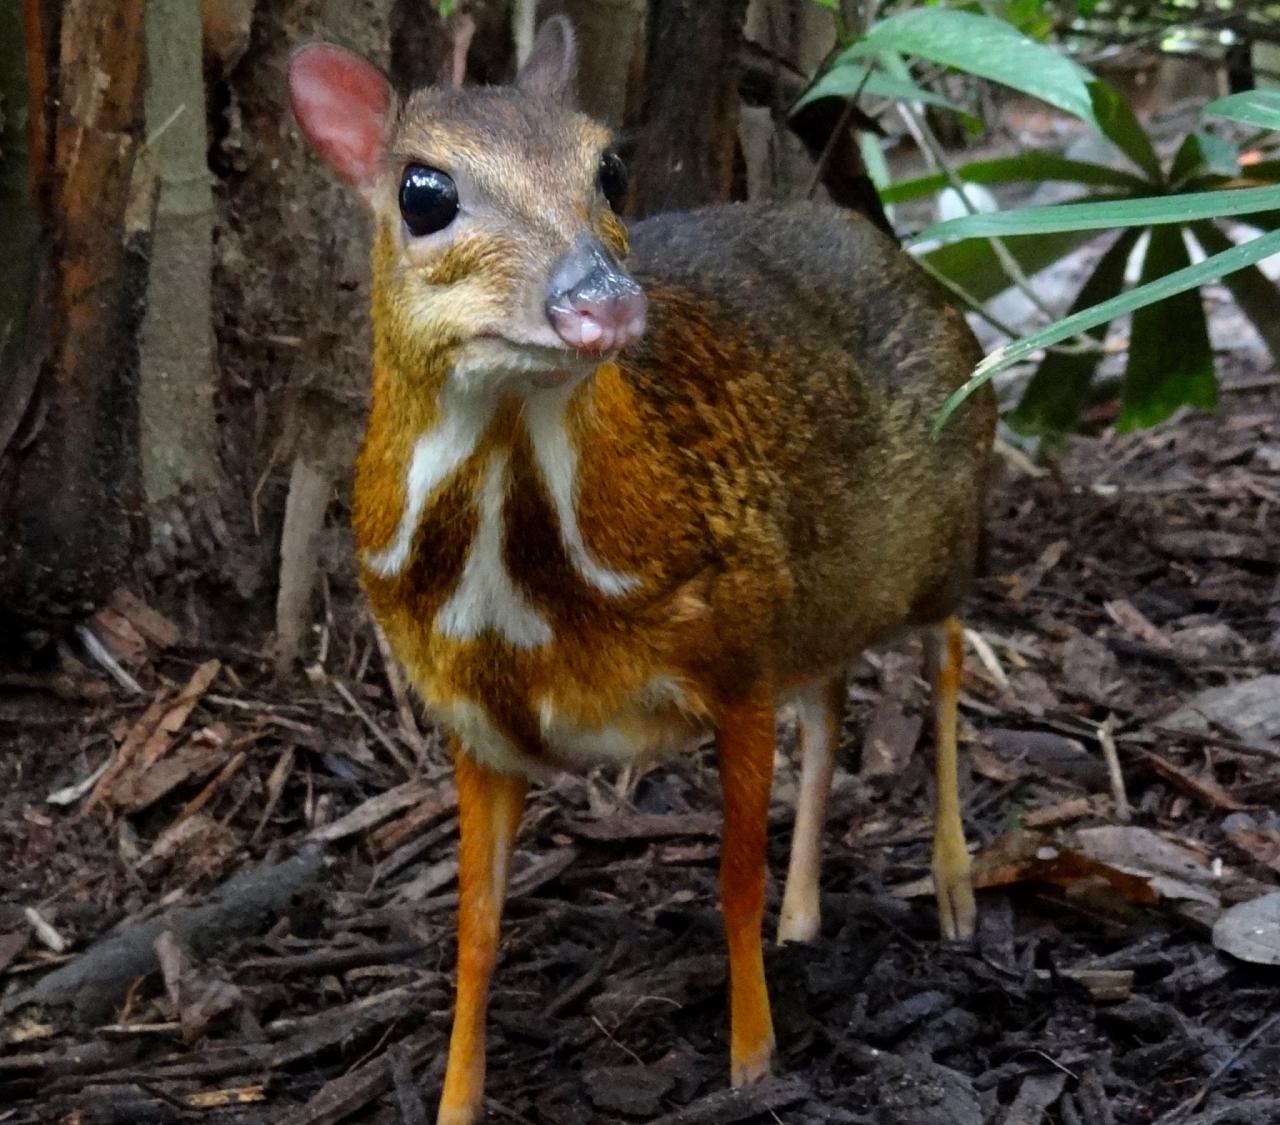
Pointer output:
295, 842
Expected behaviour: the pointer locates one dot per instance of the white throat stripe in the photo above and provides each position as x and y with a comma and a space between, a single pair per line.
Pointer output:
436, 454
557, 461
486, 598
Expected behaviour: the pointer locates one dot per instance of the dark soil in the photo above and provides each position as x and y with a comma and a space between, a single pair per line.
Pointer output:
1134, 573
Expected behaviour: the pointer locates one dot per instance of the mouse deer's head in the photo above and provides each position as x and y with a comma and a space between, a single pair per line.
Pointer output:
497, 247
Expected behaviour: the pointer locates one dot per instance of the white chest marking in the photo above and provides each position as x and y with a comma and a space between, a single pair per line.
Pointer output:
485, 597
557, 461
436, 454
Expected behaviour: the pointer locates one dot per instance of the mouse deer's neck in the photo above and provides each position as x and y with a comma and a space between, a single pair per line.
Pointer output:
432, 442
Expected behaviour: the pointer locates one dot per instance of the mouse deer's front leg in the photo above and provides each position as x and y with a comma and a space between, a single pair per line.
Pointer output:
744, 747
489, 809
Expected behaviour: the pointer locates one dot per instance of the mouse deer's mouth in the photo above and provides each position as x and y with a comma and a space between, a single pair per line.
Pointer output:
497, 361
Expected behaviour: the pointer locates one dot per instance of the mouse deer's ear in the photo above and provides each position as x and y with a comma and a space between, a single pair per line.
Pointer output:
552, 65
343, 104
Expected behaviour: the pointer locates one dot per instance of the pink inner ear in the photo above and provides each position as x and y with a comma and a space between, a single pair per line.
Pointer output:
341, 103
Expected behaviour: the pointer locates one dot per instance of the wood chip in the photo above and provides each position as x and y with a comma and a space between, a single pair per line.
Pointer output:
1036, 1094
1204, 789
375, 810
153, 625
139, 790
442, 803
153, 734
221, 1099
1074, 808
648, 826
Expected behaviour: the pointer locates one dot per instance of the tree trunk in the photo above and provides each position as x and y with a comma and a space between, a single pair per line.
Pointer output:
69, 478
686, 151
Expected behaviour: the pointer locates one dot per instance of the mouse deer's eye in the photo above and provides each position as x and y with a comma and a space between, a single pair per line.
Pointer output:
428, 199
613, 179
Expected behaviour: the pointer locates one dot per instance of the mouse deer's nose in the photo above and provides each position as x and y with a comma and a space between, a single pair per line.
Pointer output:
594, 304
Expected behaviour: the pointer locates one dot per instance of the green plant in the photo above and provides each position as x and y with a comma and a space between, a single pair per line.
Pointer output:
1169, 361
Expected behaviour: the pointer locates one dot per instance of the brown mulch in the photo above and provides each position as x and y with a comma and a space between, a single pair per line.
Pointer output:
248, 916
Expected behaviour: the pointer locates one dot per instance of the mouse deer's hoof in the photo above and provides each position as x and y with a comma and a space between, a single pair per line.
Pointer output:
953, 884
752, 1065
799, 922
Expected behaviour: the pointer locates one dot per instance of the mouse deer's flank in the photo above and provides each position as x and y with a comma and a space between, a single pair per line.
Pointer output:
603, 510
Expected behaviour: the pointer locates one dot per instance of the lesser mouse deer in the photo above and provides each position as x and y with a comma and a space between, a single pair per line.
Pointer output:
604, 509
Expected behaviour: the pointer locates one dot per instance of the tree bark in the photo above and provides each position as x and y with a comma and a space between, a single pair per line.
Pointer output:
685, 155
69, 480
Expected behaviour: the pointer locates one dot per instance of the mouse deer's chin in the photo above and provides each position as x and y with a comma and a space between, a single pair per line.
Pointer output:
498, 364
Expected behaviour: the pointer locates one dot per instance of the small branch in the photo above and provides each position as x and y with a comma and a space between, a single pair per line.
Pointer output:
1119, 796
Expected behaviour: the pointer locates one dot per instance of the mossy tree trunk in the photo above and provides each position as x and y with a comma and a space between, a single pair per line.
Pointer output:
179, 441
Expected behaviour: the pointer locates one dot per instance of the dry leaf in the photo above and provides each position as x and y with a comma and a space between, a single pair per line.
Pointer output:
889, 741
197, 1001
995, 768
1249, 710
1029, 577
1131, 620
1175, 870
1251, 930
1263, 844
1033, 857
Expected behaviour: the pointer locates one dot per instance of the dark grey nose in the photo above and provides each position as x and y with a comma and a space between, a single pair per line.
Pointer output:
594, 304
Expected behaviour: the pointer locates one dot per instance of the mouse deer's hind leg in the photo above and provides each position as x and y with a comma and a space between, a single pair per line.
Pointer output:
957, 913
819, 711
489, 809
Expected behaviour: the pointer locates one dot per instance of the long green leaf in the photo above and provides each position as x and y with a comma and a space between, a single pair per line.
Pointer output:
846, 81
1170, 361
1059, 390
1199, 157
1027, 166
1210, 269
1253, 107
1154, 210
1254, 292
1119, 125
987, 47
975, 268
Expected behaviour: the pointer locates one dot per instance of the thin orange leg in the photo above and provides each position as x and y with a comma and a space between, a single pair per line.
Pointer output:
489, 808
744, 745
953, 883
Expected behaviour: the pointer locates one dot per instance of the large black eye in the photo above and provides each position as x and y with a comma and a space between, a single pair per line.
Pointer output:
613, 179
428, 199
